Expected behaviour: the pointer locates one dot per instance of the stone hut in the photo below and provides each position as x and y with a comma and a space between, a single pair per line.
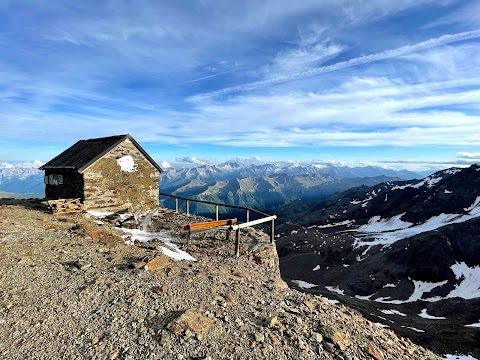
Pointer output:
110, 173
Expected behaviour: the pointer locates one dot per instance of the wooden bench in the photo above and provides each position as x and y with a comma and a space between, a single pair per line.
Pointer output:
209, 225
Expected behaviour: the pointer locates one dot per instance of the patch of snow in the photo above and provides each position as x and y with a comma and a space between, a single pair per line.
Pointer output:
476, 325
143, 236
452, 171
447, 192
415, 329
127, 163
381, 325
469, 288
392, 312
459, 357
433, 181
363, 297
423, 314
474, 205
335, 289
316, 268
389, 285
429, 181
346, 265
355, 202
435, 222
332, 301
420, 287
98, 222
177, 254
164, 236
377, 224
346, 222
99, 213
294, 232
402, 187
303, 284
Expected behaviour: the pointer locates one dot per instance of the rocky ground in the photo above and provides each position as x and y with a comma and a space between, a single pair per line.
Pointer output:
70, 288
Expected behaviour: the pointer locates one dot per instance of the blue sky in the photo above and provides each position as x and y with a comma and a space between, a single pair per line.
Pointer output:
392, 82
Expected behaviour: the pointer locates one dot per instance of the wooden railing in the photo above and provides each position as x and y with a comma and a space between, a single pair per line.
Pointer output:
265, 217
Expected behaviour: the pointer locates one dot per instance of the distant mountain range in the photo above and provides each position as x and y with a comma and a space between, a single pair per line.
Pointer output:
21, 179
264, 186
245, 182
406, 254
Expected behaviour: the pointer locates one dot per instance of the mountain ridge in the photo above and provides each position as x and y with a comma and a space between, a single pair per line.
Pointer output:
410, 244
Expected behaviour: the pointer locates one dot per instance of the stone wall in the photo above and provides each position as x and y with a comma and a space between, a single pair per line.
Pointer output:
122, 178
71, 188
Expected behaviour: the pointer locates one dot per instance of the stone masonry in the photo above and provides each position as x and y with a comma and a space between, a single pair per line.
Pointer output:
108, 186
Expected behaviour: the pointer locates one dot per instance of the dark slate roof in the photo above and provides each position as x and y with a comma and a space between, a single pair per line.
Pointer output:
85, 152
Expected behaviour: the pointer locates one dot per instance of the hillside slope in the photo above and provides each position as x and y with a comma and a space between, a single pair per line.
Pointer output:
412, 247
71, 288
266, 192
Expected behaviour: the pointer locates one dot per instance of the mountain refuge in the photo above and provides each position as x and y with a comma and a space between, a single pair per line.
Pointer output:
110, 173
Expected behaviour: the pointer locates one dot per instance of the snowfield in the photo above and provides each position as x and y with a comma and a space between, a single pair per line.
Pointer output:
423, 314
392, 312
335, 289
379, 232
468, 288
303, 284
429, 181
377, 224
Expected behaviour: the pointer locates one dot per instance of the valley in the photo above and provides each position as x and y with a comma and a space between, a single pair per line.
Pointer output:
265, 186
406, 254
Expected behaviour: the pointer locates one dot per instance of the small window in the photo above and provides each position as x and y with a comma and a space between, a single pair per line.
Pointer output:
45, 179
54, 179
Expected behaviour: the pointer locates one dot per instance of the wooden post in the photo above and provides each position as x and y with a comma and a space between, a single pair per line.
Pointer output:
176, 205
187, 208
216, 212
227, 237
237, 243
247, 215
272, 231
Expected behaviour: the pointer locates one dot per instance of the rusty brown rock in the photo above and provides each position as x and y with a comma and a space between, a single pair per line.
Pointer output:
375, 353
100, 280
241, 274
280, 283
159, 262
309, 305
192, 321
341, 340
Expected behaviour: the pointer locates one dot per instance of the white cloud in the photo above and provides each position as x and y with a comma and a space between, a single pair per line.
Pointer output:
192, 160
432, 43
303, 57
468, 155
